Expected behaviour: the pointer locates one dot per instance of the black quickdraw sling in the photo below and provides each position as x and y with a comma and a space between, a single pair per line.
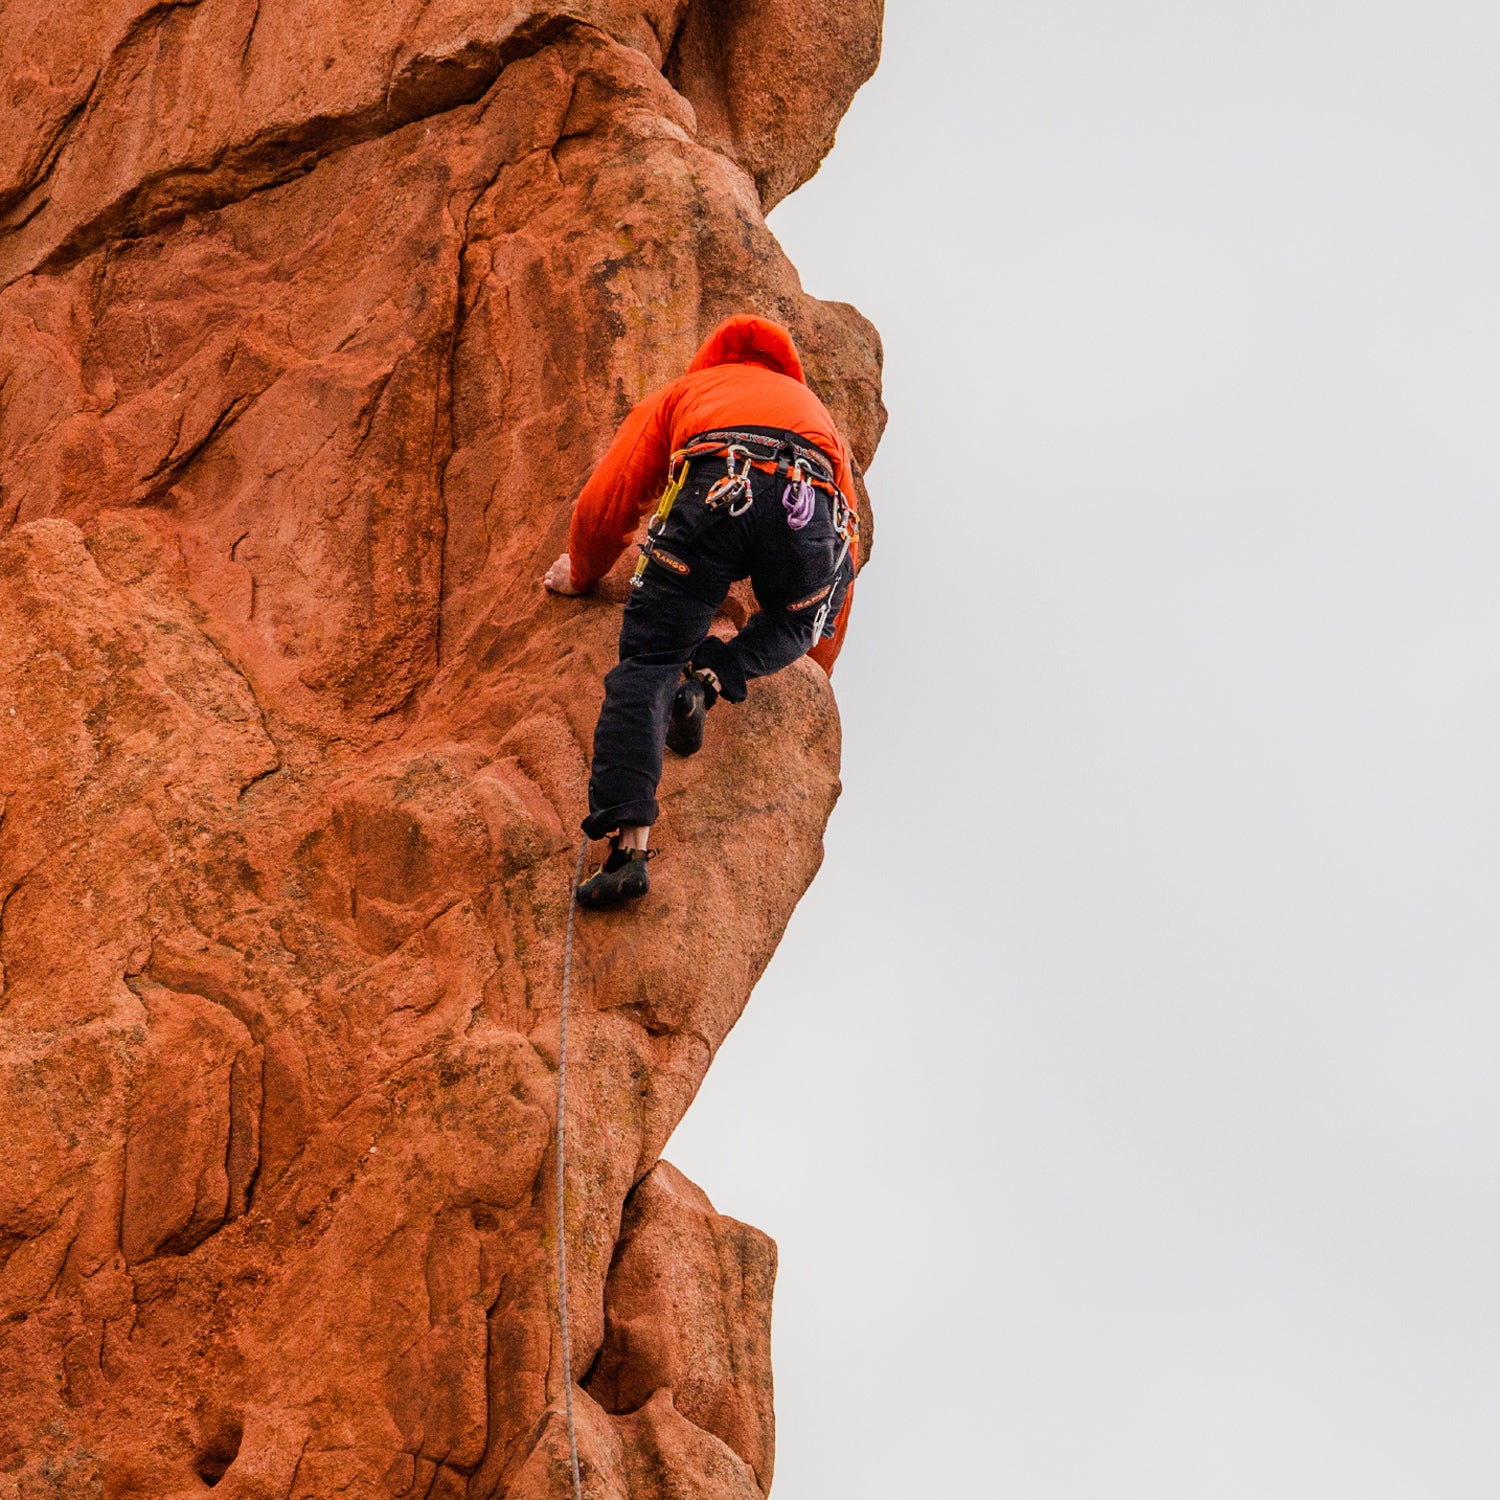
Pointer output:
805, 470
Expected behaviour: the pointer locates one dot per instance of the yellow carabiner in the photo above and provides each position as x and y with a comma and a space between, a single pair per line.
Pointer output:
670, 494
663, 510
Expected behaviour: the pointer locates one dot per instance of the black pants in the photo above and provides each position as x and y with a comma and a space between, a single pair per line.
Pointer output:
698, 554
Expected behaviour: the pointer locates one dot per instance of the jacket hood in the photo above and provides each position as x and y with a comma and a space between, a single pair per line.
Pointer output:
748, 340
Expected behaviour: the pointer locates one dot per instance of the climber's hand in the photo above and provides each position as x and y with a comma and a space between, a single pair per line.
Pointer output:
560, 576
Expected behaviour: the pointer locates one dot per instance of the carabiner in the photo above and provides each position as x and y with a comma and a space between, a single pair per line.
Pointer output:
733, 487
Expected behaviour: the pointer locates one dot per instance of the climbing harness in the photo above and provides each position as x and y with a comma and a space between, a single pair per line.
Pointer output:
562, 1176
771, 455
805, 469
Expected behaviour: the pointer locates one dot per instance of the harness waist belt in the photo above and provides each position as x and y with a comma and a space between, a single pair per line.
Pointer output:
773, 454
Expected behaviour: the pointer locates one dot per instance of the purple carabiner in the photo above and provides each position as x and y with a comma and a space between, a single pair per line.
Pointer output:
799, 509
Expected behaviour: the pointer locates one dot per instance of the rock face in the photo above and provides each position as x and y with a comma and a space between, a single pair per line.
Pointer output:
313, 320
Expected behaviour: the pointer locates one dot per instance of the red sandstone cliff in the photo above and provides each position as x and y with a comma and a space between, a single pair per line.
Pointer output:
313, 318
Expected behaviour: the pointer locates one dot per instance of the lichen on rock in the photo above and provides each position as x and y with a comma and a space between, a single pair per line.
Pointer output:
312, 322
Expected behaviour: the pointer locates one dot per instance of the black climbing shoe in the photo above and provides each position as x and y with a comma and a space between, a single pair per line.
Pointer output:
690, 706
622, 877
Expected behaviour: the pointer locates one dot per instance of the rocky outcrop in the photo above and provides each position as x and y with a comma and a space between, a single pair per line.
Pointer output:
312, 322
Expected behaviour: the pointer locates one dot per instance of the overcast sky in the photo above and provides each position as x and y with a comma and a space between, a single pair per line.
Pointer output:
1124, 1096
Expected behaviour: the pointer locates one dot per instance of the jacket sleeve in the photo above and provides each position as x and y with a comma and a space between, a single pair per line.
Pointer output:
627, 479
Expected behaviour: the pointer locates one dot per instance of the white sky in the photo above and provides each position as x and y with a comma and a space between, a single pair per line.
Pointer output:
1124, 1097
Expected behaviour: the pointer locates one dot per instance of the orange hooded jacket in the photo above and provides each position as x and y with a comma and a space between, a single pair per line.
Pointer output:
747, 374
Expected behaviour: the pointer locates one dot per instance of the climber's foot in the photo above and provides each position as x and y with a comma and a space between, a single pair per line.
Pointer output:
690, 706
622, 877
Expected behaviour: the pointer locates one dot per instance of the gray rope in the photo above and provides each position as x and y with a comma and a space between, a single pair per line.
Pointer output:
562, 1236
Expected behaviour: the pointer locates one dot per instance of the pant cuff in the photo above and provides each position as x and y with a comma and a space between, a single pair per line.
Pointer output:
720, 658
621, 815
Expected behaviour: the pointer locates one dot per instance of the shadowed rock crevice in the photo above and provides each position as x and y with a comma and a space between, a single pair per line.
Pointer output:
293, 748
219, 1450
687, 1312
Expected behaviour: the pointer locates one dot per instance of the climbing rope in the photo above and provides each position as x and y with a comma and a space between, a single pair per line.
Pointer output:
562, 1173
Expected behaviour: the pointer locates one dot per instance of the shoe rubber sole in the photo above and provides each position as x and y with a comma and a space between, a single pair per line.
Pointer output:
608, 887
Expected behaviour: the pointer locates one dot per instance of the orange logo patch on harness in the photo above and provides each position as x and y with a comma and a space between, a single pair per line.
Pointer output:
812, 599
675, 564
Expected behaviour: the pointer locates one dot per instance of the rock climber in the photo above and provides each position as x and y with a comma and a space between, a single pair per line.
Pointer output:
758, 486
